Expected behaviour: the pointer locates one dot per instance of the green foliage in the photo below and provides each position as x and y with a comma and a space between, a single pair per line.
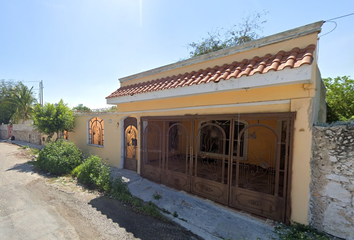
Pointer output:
34, 151
93, 172
120, 191
238, 34
59, 157
299, 231
16, 102
157, 196
51, 118
340, 98
175, 214
81, 108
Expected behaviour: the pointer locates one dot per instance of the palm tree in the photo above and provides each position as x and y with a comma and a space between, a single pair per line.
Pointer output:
22, 99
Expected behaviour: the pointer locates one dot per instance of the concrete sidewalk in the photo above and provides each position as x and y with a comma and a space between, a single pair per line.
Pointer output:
202, 217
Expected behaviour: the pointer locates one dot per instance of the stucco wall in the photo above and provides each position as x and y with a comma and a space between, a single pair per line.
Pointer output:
110, 151
332, 181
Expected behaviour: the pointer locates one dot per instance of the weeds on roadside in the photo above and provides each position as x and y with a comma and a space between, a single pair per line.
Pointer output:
299, 231
157, 196
120, 191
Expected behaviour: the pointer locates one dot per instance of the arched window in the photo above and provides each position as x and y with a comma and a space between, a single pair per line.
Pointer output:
96, 131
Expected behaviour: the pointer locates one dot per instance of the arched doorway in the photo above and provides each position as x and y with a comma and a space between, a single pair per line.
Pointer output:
130, 143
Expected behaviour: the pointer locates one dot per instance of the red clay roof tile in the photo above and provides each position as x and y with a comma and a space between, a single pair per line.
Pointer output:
257, 65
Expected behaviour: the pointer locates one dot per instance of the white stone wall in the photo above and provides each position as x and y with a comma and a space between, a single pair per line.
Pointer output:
332, 181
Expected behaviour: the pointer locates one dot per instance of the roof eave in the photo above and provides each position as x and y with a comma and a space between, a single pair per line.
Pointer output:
287, 76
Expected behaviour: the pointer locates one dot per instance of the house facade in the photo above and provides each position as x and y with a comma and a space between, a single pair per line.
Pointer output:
233, 126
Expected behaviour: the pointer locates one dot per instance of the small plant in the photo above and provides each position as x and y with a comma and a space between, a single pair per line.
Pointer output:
59, 157
25, 147
157, 196
165, 211
175, 214
93, 173
299, 231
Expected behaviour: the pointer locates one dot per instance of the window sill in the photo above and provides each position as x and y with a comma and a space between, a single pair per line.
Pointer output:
95, 145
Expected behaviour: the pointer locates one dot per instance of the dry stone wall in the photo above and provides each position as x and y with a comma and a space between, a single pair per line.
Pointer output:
3, 131
332, 181
22, 132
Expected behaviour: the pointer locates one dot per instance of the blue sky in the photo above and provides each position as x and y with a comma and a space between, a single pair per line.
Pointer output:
80, 48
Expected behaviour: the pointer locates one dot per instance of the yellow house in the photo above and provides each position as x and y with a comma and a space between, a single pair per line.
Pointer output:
233, 126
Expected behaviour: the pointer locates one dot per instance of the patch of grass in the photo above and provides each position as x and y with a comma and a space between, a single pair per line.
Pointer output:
25, 147
157, 196
175, 214
120, 191
299, 231
165, 211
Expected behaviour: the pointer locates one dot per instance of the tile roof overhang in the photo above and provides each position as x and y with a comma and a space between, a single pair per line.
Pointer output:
270, 70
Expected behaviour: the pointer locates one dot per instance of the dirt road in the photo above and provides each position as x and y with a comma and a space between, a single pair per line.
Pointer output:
33, 206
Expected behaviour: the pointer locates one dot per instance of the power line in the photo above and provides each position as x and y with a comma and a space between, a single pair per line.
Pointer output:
340, 17
335, 26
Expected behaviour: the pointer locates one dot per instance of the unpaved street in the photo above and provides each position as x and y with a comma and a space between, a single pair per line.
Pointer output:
37, 207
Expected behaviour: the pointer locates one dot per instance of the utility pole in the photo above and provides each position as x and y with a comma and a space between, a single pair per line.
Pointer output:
41, 92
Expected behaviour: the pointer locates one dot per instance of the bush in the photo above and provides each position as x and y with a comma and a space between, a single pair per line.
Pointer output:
94, 173
59, 157
120, 191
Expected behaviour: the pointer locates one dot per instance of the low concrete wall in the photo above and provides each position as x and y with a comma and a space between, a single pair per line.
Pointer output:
332, 181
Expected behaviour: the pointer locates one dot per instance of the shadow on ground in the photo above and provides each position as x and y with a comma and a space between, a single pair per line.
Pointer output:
23, 167
142, 226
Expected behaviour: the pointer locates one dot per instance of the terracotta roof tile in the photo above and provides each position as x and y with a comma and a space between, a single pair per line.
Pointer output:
248, 67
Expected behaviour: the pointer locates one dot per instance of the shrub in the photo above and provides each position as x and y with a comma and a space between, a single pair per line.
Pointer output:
120, 191
93, 172
59, 157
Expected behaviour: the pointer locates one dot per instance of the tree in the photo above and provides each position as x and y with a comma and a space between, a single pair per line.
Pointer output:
16, 102
6, 109
53, 118
340, 98
81, 108
238, 34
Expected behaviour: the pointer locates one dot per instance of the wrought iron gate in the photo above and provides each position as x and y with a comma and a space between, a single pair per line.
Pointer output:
242, 161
